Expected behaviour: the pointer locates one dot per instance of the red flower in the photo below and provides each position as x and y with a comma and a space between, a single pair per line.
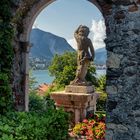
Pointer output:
87, 134
85, 121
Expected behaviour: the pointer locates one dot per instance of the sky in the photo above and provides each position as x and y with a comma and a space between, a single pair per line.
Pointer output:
62, 18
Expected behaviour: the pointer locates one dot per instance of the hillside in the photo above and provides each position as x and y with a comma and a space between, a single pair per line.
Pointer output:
44, 46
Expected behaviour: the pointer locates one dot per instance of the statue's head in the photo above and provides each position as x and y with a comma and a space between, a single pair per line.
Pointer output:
83, 30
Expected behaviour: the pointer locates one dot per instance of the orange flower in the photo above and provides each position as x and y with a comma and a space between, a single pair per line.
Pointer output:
90, 132
97, 130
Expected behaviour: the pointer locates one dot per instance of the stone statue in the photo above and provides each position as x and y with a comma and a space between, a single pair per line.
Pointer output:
85, 55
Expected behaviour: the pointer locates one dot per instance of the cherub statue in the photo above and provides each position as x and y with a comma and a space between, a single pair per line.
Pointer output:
85, 55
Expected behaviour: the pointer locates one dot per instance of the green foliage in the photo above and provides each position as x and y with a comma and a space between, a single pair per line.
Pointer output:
32, 81
49, 103
6, 55
101, 83
91, 73
37, 103
5, 97
50, 125
63, 68
34, 126
101, 102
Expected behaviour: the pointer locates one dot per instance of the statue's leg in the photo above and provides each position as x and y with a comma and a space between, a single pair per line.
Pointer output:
80, 66
84, 70
79, 72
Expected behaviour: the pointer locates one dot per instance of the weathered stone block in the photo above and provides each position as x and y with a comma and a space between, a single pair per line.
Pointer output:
111, 89
133, 8
114, 60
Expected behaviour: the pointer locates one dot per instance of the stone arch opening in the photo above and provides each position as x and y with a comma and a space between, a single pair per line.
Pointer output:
25, 35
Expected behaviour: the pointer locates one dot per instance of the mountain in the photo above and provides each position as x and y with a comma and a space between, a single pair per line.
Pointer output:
100, 56
45, 45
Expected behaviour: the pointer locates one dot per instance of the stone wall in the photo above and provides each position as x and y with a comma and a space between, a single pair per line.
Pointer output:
122, 18
123, 71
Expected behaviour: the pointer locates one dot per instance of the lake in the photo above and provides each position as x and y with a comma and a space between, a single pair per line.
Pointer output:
42, 76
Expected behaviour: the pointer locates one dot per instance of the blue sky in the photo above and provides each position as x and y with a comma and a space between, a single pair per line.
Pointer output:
62, 17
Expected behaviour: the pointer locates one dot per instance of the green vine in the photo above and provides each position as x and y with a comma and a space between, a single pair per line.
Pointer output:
6, 48
6, 55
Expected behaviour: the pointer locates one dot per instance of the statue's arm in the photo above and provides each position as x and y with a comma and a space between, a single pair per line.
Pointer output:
76, 32
91, 49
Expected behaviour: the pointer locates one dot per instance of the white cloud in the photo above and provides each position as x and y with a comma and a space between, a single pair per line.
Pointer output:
99, 33
98, 30
73, 43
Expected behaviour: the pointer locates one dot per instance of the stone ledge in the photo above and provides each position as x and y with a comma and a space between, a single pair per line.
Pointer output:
79, 89
73, 97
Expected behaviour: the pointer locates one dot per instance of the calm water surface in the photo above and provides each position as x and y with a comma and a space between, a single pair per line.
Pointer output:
42, 76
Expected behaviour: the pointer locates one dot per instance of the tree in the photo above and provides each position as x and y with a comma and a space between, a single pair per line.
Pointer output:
63, 68
91, 75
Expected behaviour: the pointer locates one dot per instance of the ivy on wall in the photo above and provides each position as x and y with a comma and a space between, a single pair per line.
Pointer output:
6, 55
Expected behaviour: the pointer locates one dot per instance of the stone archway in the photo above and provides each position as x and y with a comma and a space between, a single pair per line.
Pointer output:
123, 61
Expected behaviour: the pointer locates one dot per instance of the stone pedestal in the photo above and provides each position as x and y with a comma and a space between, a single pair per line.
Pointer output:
76, 102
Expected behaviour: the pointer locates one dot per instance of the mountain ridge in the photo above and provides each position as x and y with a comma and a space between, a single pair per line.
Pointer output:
46, 44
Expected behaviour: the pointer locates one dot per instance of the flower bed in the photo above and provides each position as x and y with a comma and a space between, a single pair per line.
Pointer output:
92, 128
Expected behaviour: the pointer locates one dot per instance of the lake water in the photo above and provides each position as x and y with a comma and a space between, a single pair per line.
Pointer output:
42, 76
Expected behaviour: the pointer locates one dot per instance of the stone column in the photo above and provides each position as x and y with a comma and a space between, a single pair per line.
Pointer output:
25, 68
